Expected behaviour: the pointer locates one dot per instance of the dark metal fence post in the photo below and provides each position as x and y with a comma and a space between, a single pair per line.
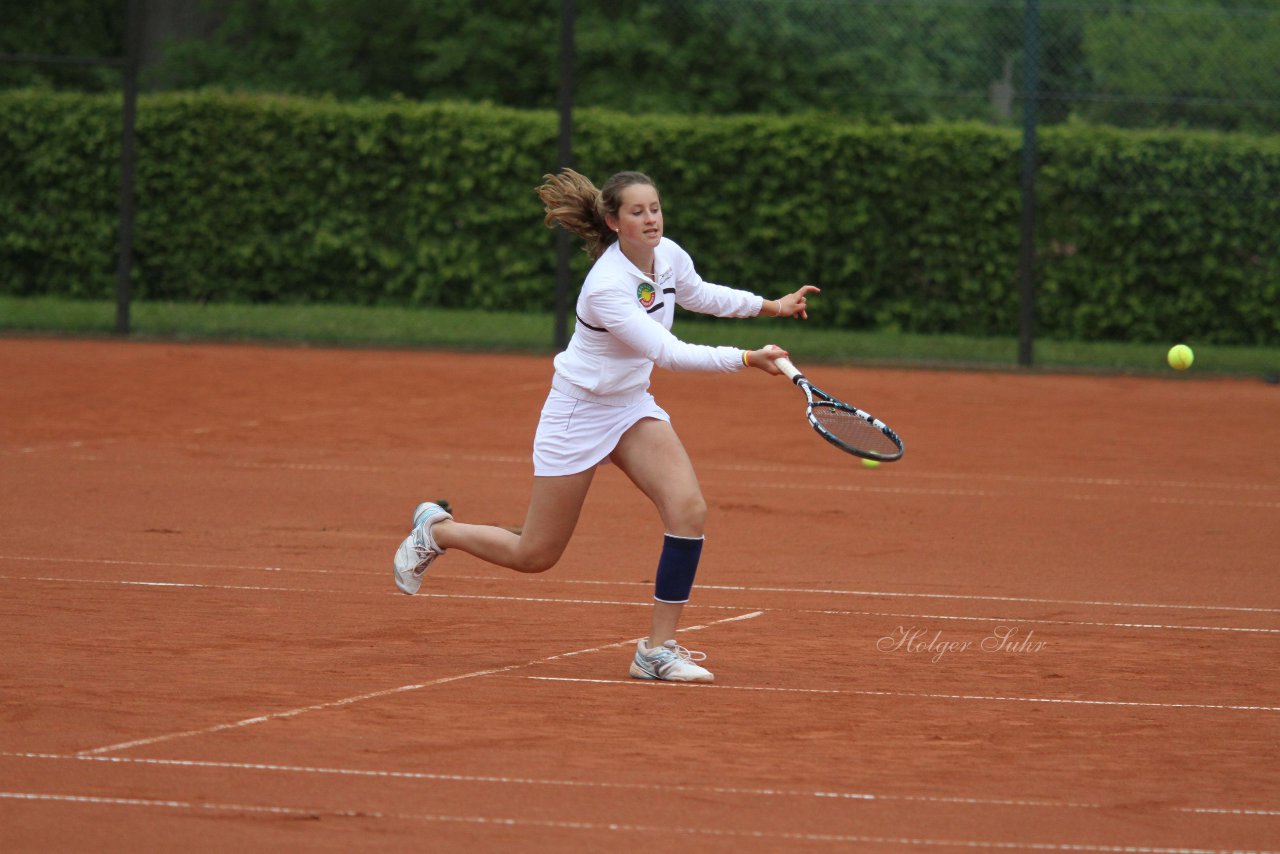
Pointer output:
128, 65
1027, 249
563, 244
124, 269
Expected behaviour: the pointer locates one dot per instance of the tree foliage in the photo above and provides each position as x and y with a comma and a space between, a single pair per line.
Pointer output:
1201, 63
1217, 67
72, 28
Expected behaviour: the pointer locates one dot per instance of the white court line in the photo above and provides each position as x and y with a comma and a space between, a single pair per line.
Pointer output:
1037, 621
616, 827
982, 493
843, 487
191, 585
888, 594
1012, 478
111, 562
1001, 620
775, 468
613, 785
889, 490
924, 696
184, 585
373, 695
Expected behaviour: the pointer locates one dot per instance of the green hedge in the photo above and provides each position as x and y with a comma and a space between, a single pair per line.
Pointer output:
1151, 236
1143, 236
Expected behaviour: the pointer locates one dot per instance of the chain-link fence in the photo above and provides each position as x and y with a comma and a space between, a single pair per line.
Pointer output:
79, 55
1198, 65
1209, 64
1195, 64
1022, 64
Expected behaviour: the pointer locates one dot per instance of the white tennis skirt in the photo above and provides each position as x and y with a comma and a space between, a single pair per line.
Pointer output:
574, 435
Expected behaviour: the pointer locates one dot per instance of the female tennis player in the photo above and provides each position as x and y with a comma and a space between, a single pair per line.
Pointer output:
599, 408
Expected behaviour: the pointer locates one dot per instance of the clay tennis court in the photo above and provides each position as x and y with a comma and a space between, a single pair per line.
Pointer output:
1053, 626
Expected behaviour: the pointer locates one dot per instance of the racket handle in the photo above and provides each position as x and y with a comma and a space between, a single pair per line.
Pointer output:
789, 370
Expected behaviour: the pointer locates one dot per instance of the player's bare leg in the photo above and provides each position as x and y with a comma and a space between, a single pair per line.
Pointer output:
554, 508
652, 456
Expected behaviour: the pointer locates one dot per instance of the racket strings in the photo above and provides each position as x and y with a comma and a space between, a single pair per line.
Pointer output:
855, 430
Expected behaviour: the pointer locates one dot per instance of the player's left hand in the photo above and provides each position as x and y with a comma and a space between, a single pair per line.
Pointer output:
797, 304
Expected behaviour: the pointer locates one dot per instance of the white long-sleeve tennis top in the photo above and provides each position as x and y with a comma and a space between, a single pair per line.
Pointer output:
624, 326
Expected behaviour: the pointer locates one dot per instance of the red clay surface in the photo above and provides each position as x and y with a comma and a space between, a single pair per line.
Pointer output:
203, 649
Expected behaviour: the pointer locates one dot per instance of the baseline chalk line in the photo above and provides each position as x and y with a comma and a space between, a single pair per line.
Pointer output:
827, 794
925, 696
613, 827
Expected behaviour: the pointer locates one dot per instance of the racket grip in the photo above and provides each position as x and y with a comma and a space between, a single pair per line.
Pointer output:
789, 370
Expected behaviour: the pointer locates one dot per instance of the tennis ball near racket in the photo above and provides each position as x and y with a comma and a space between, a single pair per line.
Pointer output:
871, 464
1180, 357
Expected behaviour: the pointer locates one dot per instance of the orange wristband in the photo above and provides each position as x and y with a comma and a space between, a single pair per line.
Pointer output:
745, 363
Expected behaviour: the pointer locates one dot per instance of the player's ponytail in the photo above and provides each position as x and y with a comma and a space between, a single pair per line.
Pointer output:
571, 200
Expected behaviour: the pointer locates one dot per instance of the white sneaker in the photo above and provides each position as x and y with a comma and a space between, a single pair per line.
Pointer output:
669, 662
419, 549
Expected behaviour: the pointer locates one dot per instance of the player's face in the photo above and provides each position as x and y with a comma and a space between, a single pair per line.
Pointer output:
640, 217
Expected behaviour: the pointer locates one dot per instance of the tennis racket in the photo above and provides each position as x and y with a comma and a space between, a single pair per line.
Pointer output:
847, 427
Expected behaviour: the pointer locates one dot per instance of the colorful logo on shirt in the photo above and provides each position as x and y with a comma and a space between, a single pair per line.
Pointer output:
646, 294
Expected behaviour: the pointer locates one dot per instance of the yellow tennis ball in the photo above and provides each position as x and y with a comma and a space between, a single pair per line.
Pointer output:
871, 464
1180, 357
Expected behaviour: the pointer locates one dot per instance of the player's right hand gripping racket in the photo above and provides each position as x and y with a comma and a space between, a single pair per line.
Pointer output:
847, 427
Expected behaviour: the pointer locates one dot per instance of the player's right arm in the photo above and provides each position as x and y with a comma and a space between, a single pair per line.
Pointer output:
613, 309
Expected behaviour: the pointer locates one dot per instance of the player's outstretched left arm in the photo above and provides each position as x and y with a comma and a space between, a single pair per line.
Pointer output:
795, 304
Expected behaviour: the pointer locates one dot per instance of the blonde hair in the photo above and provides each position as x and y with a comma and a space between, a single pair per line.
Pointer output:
571, 200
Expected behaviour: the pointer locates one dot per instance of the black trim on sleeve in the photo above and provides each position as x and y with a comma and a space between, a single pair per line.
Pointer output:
588, 325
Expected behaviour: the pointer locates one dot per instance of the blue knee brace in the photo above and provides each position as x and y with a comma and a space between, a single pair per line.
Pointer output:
676, 568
